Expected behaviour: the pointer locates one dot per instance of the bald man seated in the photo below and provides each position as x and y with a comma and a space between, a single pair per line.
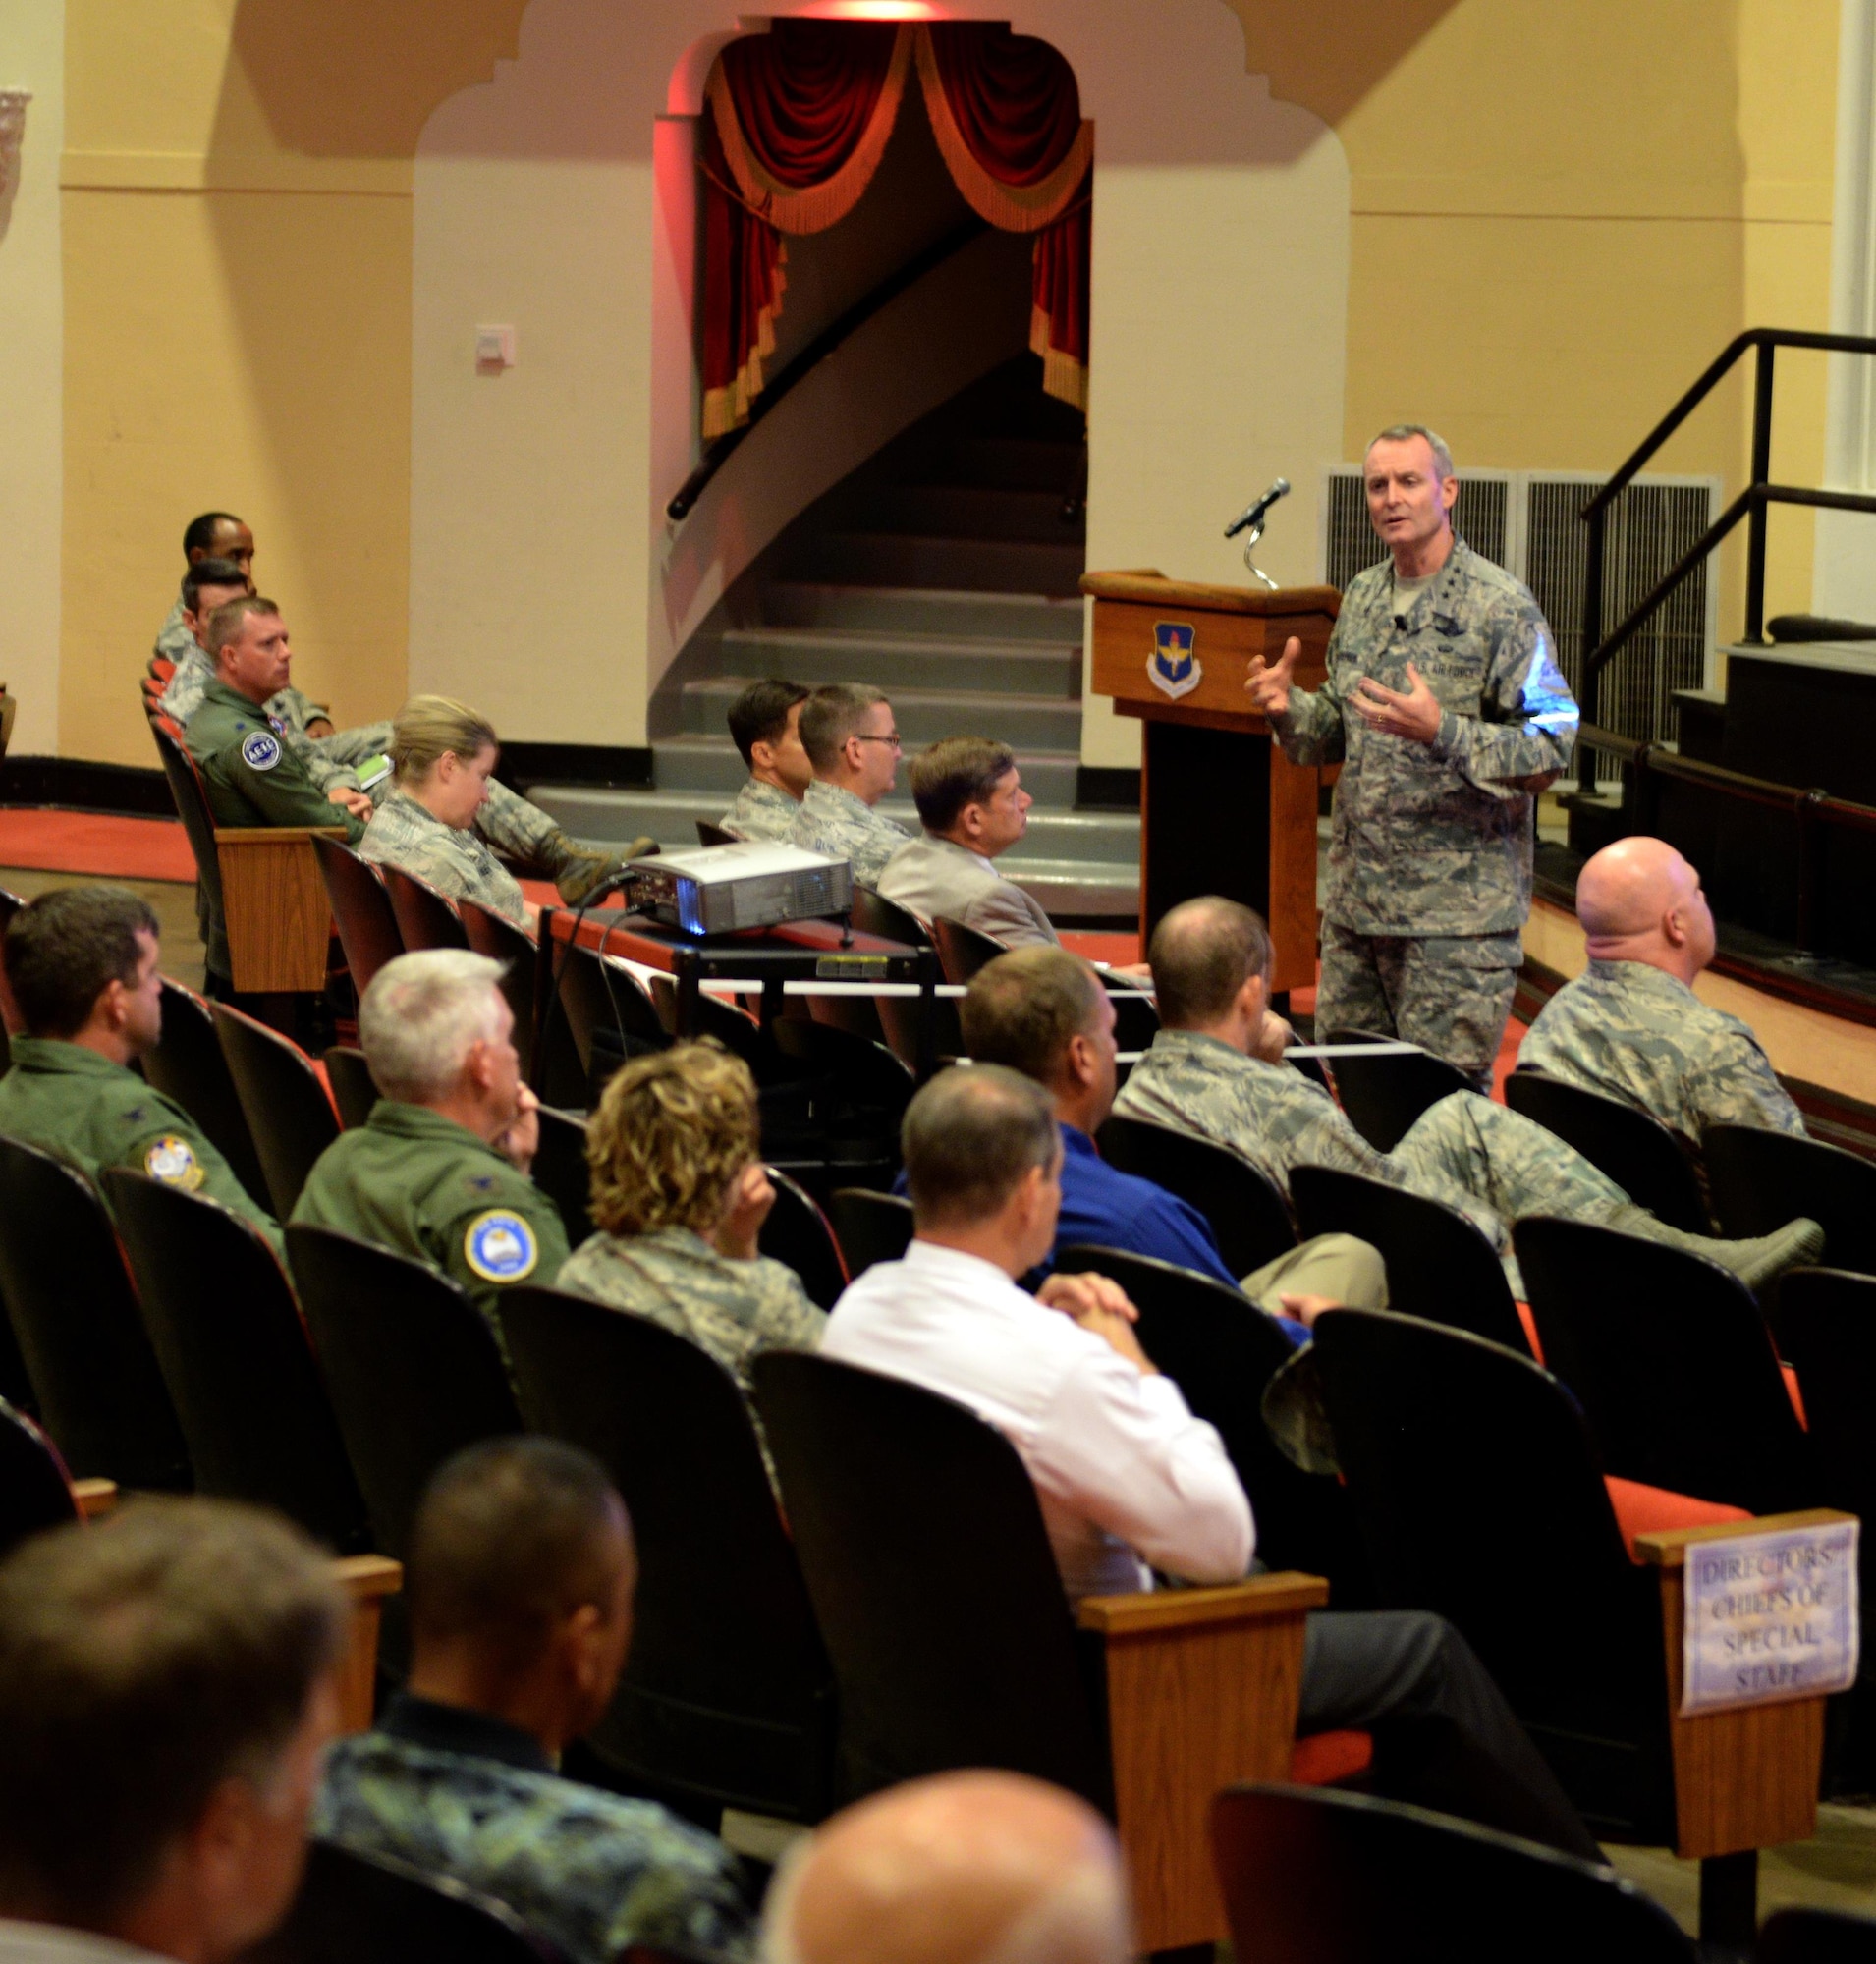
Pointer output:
1631, 1025
960, 1869
1216, 1069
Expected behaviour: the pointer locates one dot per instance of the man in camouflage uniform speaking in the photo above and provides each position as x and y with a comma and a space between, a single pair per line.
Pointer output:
1446, 709
1631, 1025
1216, 1069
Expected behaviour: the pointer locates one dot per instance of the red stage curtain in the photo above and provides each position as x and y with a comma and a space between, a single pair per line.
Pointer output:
1008, 117
798, 120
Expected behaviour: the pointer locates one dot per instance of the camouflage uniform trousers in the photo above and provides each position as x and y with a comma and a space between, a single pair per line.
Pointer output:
1450, 994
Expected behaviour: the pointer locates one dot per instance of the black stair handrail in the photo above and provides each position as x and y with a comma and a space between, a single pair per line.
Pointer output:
1751, 503
838, 331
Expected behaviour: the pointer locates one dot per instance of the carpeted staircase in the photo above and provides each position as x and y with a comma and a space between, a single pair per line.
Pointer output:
945, 572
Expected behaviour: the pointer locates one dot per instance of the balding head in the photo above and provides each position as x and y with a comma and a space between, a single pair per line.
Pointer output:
1202, 954
1640, 901
967, 1868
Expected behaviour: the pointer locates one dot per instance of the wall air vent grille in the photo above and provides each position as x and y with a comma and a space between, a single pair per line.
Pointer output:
1531, 523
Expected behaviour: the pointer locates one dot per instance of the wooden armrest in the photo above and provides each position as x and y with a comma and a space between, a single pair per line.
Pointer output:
94, 1496
1746, 1776
1202, 1687
275, 835
368, 1579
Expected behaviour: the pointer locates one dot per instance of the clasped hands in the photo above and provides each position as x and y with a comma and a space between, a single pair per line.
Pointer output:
1414, 714
1102, 1306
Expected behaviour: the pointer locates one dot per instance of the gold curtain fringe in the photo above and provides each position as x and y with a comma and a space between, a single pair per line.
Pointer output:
1063, 376
727, 407
1008, 208
816, 207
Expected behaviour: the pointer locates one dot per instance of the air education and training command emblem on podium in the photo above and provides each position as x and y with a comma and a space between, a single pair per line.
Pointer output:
1173, 666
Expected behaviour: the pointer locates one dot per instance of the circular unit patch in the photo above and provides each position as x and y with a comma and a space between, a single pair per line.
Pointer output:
500, 1246
173, 1161
261, 750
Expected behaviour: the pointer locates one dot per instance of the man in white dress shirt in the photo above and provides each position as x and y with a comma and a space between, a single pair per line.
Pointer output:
1125, 1475
166, 1693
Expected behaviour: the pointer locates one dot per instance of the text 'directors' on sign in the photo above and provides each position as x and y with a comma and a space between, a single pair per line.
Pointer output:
1770, 1616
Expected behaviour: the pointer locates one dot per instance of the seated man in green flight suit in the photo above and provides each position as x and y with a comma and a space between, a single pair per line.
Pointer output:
82, 965
440, 1170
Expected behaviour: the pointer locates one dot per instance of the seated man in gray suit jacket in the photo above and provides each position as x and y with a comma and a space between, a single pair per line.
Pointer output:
971, 799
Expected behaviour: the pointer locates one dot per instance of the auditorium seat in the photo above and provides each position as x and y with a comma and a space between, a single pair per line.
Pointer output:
497, 937
1322, 1876
412, 1370
1671, 1363
1828, 1319
923, 1546
1759, 1181
599, 1014
1222, 1352
562, 1173
286, 1102
425, 917
873, 913
727, 1700
1249, 1217
899, 1014
72, 1306
233, 1352
963, 951
856, 1092
1800, 1935
1383, 1095
797, 1234
188, 1065
35, 1491
1636, 1150
354, 1089
360, 908
1440, 1267
370, 1909
869, 1226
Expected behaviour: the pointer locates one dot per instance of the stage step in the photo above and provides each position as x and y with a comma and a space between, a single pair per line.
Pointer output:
926, 609
898, 662
1024, 722
986, 565
711, 767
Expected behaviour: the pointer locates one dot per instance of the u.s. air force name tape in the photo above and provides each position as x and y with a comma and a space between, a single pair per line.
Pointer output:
261, 750
500, 1246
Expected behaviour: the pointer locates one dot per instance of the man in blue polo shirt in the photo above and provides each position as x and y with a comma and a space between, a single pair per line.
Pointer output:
1044, 1011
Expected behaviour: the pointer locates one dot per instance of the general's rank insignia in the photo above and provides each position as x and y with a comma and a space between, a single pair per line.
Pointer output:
500, 1246
1173, 666
261, 750
173, 1161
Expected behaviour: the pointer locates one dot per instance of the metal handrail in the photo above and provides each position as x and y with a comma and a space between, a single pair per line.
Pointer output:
1753, 501
824, 343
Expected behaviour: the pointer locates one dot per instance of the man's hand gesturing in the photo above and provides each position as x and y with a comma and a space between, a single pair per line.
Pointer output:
1268, 687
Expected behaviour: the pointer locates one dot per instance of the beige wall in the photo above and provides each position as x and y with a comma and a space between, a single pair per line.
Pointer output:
236, 251
1561, 214
31, 57
1219, 252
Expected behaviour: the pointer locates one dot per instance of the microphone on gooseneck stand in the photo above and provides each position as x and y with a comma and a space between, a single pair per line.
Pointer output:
1248, 516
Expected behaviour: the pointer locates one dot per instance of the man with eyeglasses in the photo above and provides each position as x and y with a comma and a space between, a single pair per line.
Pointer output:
848, 735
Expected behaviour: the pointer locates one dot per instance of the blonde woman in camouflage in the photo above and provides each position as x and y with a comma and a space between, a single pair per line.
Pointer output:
679, 1194
444, 755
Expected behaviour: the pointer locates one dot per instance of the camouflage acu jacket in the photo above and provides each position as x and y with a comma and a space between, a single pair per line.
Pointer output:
1632, 1033
735, 1310
761, 811
404, 833
1436, 839
592, 1871
834, 821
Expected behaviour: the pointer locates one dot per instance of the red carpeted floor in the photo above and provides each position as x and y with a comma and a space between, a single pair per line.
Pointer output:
88, 841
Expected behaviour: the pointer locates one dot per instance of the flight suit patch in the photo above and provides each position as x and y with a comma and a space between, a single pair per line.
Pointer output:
500, 1246
261, 750
174, 1162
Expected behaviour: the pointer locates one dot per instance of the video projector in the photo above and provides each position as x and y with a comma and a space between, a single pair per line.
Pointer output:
750, 883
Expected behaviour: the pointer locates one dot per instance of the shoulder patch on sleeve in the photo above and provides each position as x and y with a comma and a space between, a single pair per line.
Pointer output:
174, 1161
261, 750
500, 1246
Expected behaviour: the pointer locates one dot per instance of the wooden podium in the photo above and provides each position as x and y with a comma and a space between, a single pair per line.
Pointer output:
1222, 809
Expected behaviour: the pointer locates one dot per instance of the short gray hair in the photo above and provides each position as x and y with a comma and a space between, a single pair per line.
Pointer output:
1406, 432
420, 1017
970, 1137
